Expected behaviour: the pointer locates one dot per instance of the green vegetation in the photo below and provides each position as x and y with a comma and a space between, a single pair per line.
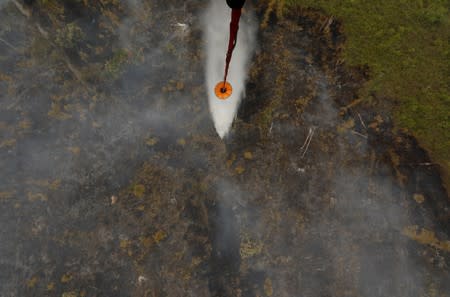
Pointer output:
406, 44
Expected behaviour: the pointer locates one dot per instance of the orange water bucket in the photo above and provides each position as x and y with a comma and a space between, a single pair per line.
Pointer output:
223, 90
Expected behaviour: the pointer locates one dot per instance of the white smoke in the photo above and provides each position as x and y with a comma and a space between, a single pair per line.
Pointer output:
216, 22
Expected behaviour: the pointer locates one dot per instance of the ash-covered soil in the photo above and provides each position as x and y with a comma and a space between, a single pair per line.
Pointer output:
114, 182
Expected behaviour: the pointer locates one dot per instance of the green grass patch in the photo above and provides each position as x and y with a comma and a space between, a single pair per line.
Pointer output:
406, 44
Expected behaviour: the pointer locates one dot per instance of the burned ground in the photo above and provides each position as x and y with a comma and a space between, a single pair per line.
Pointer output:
114, 182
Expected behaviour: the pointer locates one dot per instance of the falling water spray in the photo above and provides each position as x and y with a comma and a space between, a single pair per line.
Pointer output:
216, 24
